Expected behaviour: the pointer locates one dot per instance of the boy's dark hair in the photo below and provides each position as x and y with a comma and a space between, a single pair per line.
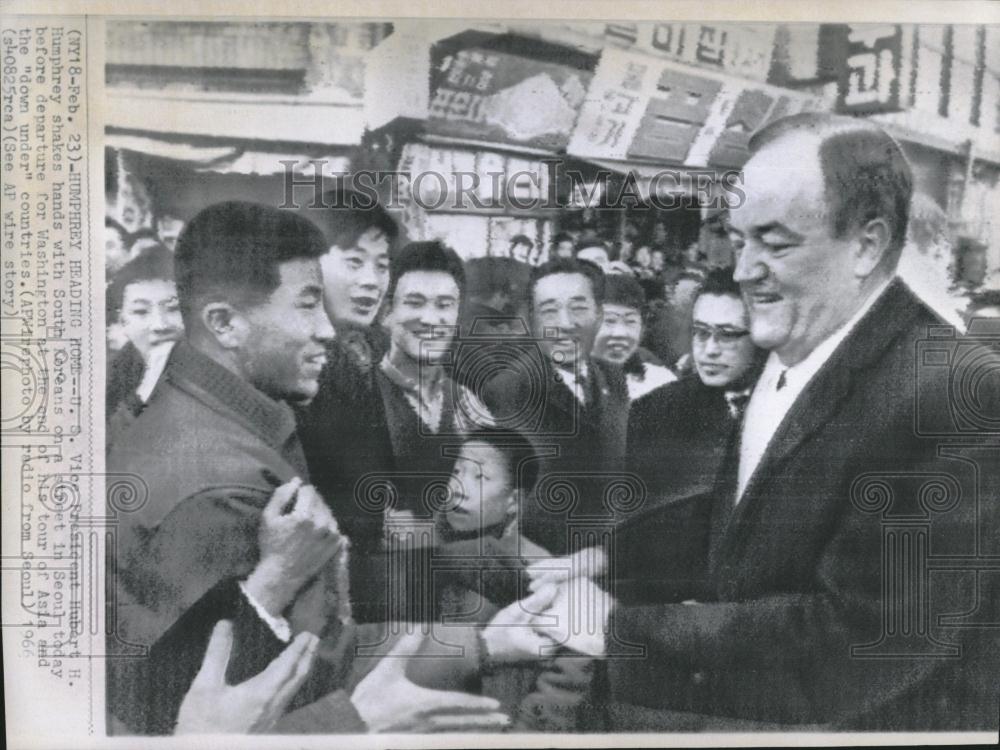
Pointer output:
154, 263
568, 265
623, 290
233, 251
562, 237
347, 215
719, 281
425, 256
590, 240
517, 450
142, 233
521, 239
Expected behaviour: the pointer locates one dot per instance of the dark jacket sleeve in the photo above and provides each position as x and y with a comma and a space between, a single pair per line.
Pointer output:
163, 570
785, 657
146, 692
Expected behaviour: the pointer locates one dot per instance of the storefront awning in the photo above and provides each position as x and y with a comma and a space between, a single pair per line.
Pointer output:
232, 158
239, 116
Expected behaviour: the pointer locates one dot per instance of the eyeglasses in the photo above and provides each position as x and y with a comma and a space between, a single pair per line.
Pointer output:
723, 335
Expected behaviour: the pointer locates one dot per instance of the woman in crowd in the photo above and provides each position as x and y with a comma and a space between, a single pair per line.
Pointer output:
618, 340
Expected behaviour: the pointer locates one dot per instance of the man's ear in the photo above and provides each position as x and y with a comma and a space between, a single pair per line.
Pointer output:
226, 324
874, 238
514, 502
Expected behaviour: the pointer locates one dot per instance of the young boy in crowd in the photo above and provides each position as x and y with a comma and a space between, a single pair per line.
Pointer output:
494, 471
479, 567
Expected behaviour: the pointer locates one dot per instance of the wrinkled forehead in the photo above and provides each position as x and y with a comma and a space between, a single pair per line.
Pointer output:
149, 290
782, 183
563, 286
720, 310
428, 284
482, 454
615, 308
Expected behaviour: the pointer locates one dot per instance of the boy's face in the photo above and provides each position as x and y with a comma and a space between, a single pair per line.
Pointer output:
481, 488
356, 278
284, 349
423, 315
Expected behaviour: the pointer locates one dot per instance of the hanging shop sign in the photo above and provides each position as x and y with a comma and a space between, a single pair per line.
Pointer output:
461, 179
869, 68
495, 96
642, 108
740, 50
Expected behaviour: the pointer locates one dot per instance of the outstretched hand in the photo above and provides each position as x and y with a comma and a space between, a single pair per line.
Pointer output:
211, 706
388, 701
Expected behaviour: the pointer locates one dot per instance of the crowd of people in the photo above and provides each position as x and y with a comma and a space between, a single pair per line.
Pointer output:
384, 489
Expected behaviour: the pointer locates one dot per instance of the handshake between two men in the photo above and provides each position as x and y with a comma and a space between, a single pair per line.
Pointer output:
298, 540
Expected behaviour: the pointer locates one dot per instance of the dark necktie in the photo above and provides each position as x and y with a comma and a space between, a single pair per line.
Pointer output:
737, 402
781, 381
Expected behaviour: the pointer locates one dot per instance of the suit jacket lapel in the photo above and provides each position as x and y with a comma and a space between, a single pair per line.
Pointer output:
821, 399
561, 397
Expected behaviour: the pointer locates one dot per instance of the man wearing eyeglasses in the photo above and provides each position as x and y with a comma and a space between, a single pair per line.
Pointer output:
723, 352
678, 434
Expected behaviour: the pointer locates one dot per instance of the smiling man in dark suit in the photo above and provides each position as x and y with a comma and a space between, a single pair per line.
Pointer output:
796, 622
574, 408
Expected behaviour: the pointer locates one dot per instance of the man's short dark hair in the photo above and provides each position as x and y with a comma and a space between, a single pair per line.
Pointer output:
590, 240
346, 216
142, 233
425, 256
233, 251
865, 173
719, 281
521, 239
620, 289
562, 237
516, 449
154, 263
568, 265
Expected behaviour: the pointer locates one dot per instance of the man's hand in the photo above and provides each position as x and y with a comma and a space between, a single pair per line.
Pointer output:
297, 537
211, 706
577, 616
388, 701
588, 563
512, 634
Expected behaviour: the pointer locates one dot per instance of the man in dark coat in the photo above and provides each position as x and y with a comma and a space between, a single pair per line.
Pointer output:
377, 442
221, 524
678, 436
574, 408
816, 608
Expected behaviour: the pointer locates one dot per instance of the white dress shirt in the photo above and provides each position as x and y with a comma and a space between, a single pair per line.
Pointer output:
279, 625
769, 405
574, 380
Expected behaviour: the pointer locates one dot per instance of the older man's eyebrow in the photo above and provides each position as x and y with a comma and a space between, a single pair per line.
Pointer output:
777, 226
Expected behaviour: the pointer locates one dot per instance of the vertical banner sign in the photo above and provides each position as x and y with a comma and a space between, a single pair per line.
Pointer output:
869, 74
